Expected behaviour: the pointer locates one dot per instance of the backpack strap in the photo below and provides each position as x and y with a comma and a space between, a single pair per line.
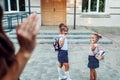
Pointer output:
59, 43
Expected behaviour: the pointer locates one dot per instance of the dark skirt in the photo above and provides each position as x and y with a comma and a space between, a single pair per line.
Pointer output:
63, 56
93, 62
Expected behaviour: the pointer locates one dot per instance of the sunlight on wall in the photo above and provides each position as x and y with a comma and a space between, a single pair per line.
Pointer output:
70, 3
70, 6
89, 23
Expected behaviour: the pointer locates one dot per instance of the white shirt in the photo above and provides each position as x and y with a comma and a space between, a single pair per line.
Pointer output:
92, 53
65, 44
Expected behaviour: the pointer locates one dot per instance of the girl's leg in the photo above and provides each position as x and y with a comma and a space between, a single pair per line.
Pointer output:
91, 74
66, 66
60, 70
95, 75
60, 65
67, 71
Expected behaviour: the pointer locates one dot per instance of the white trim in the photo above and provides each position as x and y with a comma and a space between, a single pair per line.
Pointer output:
9, 6
107, 6
11, 11
17, 5
97, 6
94, 13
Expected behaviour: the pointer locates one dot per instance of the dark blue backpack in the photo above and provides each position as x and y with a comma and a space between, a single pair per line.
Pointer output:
56, 44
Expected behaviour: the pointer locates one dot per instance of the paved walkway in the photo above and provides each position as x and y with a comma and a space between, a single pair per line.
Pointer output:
114, 38
43, 63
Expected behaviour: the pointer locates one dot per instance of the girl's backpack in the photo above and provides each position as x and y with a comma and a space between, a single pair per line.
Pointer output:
56, 44
100, 55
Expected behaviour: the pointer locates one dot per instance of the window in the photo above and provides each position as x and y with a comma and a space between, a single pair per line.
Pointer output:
13, 5
22, 5
93, 6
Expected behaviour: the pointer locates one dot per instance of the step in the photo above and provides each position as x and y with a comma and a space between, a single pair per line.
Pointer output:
74, 37
70, 41
56, 36
56, 33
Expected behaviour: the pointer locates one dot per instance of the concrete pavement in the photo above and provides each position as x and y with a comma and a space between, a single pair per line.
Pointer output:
43, 63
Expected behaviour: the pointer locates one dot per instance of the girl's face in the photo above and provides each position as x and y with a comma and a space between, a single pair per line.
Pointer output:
93, 39
64, 31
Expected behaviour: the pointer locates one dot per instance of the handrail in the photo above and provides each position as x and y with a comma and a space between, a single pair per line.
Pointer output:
10, 17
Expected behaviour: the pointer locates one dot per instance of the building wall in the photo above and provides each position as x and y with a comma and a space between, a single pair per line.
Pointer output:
35, 7
111, 17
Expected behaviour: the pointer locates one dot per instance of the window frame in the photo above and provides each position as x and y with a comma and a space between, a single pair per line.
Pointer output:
97, 8
9, 7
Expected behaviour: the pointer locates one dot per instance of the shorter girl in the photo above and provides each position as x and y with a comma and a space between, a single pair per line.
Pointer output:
63, 53
93, 62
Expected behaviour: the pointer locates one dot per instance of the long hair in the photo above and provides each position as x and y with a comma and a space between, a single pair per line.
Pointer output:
7, 50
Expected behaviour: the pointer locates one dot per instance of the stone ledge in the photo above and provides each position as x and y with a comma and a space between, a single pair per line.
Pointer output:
83, 15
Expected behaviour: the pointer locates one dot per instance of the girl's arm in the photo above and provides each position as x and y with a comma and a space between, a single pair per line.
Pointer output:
93, 46
62, 42
26, 34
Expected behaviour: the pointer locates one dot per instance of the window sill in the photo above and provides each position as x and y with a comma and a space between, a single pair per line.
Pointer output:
95, 15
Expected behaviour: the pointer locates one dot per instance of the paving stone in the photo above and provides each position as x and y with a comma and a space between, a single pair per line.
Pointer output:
43, 63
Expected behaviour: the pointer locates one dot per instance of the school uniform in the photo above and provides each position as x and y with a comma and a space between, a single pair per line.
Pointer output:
63, 58
63, 52
92, 61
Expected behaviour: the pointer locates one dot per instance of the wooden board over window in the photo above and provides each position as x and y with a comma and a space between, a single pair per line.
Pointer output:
53, 12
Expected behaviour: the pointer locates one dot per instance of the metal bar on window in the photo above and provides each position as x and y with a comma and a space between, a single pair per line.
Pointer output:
89, 4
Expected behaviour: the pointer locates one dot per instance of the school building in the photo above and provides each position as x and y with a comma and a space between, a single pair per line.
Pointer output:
91, 13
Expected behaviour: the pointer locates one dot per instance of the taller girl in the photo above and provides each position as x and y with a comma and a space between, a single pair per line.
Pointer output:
93, 62
63, 53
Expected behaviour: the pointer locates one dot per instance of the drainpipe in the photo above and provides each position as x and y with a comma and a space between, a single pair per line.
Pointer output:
29, 7
74, 14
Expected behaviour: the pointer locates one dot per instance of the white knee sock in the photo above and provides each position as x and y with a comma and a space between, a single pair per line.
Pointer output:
60, 72
68, 75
